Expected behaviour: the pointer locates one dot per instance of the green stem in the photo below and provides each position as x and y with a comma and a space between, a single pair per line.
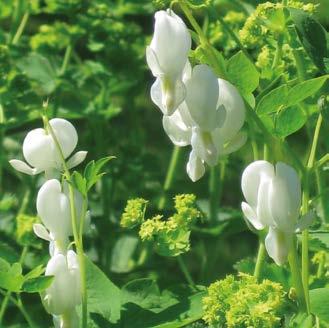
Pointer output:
77, 238
278, 51
185, 271
169, 177
66, 60
260, 260
218, 65
21, 28
214, 192
293, 262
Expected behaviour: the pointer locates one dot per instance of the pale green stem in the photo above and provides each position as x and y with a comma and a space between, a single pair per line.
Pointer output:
305, 210
77, 239
18, 303
278, 52
260, 260
21, 28
185, 271
294, 267
214, 184
323, 160
169, 177
66, 60
211, 54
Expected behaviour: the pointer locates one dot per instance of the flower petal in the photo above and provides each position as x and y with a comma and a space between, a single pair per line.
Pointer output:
195, 167
76, 159
152, 62
251, 177
23, 167
202, 97
251, 216
278, 245
236, 143
176, 129
41, 232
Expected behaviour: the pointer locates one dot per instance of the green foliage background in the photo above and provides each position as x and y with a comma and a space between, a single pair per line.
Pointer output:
87, 60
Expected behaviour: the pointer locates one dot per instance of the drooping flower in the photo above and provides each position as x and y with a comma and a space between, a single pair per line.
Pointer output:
64, 293
41, 153
53, 206
167, 56
209, 120
273, 200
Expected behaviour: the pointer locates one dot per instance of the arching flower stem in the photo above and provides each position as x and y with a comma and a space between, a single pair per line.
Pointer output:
76, 233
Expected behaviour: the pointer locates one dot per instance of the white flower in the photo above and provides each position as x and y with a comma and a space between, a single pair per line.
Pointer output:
273, 196
64, 294
166, 57
53, 206
41, 153
209, 120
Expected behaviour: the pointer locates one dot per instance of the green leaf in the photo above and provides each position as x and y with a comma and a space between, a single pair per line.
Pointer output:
322, 237
92, 171
187, 310
104, 297
305, 89
38, 68
11, 277
242, 73
312, 35
80, 183
146, 294
319, 299
36, 272
123, 251
36, 285
289, 121
273, 100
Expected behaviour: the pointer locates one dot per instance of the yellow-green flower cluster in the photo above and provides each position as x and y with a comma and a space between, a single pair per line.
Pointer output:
134, 213
24, 229
268, 18
243, 302
172, 236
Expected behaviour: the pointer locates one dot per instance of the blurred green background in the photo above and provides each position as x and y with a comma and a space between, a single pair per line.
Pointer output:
87, 59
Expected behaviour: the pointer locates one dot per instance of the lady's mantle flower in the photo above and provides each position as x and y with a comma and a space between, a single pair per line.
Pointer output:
64, 294
166, 57
273, 196
243, 302
41, 153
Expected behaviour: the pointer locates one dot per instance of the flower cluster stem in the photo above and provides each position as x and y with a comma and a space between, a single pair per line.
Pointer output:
169, 177
294, 267
261, 255
185, 271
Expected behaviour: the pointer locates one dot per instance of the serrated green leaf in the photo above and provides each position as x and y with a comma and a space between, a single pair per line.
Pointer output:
79, 182
11, 279
242, 73
305, 89
289, 121
36, 285
319, 299
312, 35
4, 265
272, 102
36, 272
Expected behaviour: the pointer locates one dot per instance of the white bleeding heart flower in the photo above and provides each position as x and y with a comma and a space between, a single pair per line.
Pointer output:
273, 200
210, 120
167, 56
53, 206
64, 293
41, 153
